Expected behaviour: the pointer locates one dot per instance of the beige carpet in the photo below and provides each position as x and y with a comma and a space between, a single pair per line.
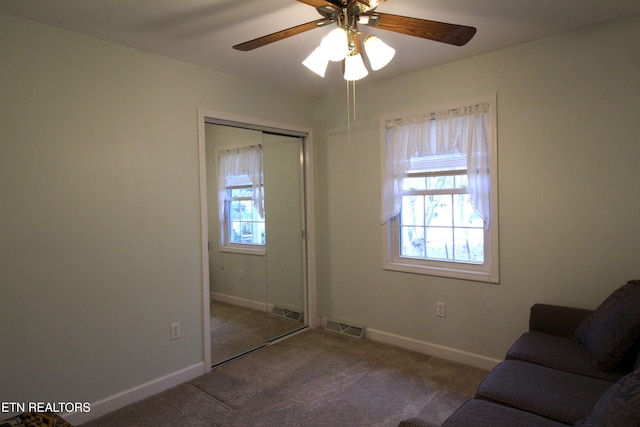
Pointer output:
236, 330
314, 378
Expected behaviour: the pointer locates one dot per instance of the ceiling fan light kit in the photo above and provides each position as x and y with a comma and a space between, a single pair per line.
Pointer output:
344, 42
378, 52
354, 68
335, 45
317, 61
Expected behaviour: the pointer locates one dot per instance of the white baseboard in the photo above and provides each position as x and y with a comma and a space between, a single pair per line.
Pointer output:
436, 350
242, 302
122, 399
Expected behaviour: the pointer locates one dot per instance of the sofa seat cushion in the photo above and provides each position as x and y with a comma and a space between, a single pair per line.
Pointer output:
551, 393
557, 352
610, 331
482, 413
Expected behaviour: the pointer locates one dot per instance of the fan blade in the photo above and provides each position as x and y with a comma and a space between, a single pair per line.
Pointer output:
280, 35
457, 35
321, 3
365, 6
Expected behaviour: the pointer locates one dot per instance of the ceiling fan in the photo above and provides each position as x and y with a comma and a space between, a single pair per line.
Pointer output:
348, 14
363, 12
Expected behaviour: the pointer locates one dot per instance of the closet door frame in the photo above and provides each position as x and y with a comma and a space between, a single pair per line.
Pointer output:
216, 117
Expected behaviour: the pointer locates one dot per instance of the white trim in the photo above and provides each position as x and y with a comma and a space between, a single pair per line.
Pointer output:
253, 122
436, 350
455, 270
240, 302
247, 249
204, 243
127, 397
310, 231
301, 131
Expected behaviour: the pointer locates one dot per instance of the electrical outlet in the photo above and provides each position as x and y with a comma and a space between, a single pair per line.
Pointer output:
440, 309
241, 274
175, 331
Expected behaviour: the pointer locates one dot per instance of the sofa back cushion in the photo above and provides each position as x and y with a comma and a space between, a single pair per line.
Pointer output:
561, 353
612, 329
619, 406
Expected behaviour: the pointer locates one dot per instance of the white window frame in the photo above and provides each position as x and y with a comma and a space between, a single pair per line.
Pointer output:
489, 270
225, 244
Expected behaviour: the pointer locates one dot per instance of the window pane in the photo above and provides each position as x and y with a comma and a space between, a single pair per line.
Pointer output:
435, 182
235, 232
245, 224
469, 245
442, 182
246, 209
454, 231
247, 232
241, 192
438, 210
255, 214
439, 243
412, 210
464, 213
235, 210
461, 181
414, 184
260, 237
412, 244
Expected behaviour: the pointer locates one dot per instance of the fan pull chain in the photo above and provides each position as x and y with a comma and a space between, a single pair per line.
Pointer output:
351, 103
348, 114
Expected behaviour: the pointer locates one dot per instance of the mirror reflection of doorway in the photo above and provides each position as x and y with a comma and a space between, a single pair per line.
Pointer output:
259, 295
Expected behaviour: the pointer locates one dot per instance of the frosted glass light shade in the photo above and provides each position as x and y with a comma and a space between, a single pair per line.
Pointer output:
335, 44
317, 61
378, 52
354, 68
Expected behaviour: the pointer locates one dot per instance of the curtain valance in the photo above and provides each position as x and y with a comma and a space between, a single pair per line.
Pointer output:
463, 131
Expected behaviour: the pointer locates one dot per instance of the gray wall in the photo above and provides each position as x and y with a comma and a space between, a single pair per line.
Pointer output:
100, 217
568, 148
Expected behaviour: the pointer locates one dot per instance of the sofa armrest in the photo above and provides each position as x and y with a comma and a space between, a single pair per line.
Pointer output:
556, 319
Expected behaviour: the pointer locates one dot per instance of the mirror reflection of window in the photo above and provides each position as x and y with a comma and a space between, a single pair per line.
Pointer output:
241, 198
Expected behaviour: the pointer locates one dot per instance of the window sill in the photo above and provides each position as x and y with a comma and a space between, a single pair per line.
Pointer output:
259, 251
459, 272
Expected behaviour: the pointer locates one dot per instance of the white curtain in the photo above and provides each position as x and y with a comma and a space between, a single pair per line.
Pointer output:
240, 166
406, 138
462, 130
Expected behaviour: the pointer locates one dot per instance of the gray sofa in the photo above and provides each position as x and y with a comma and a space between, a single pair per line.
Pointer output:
572, 367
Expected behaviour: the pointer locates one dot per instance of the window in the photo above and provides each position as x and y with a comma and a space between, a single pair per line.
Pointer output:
243, 223
439, 196
241, 200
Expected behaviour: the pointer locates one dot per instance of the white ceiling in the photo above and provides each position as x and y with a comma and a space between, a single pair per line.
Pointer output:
202, 32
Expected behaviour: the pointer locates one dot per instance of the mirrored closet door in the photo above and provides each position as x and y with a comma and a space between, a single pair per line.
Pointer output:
257, 271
